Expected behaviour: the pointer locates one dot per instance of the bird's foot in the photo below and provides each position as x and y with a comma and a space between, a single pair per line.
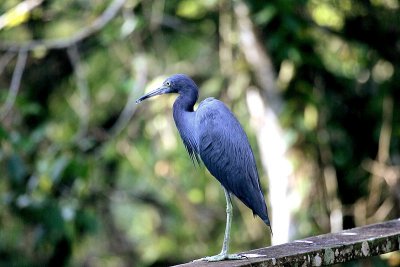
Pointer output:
222, 256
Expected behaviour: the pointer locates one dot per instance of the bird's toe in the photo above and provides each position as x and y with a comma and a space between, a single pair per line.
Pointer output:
221, 257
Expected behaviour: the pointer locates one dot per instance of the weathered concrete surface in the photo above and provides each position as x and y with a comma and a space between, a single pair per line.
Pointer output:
323, 250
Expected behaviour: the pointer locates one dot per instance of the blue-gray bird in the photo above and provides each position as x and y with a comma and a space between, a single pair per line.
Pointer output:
214, 135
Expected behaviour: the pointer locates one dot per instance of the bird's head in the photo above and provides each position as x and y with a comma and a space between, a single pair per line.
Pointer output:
178, 83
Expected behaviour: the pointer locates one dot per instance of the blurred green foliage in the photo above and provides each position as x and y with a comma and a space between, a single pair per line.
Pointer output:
88, 178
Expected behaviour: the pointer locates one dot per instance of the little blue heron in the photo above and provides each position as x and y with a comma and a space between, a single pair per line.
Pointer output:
214, 135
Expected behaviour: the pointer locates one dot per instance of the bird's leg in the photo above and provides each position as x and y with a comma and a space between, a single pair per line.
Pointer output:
225, 245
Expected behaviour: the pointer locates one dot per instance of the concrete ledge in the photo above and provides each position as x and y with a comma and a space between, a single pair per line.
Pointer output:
361, 242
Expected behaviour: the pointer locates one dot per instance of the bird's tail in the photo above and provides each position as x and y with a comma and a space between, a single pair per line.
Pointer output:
269, 225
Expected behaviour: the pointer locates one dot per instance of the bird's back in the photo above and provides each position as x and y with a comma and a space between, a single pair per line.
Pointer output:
225, 150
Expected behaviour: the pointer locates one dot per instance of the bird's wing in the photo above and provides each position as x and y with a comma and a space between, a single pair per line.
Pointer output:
226, 152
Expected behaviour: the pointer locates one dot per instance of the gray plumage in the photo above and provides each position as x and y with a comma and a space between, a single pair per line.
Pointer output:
213, 135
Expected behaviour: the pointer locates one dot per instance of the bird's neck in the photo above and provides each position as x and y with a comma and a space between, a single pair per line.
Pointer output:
184, 118
185, 102
183, 110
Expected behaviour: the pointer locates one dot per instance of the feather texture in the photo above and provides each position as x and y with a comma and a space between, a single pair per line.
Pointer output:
226, 152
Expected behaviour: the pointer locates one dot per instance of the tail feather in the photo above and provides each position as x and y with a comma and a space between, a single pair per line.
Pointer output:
269, 225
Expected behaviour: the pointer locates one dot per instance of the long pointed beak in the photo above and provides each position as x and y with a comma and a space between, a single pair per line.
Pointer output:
159, 91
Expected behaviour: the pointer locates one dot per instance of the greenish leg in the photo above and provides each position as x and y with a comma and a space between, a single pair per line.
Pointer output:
225, 245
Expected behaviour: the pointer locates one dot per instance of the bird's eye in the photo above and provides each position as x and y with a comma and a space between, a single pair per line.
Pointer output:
168, 83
